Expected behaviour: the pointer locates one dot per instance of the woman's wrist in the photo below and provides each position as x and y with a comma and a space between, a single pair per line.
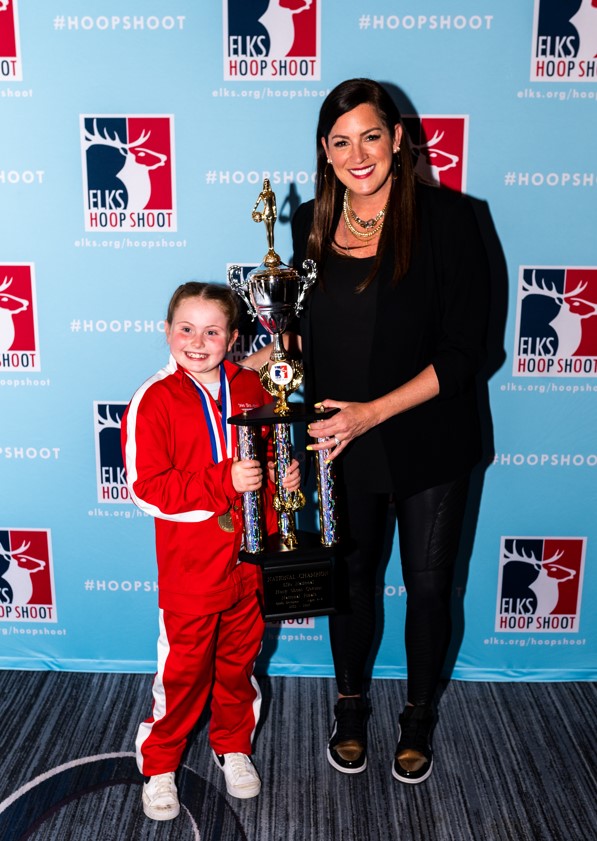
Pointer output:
420, 389
380, 410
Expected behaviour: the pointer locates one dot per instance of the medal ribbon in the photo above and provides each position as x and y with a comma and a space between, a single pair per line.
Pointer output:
220, 431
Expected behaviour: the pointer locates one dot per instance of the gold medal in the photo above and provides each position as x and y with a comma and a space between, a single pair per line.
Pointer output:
226, 522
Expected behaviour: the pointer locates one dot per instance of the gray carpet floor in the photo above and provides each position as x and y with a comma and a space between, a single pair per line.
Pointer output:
512, 761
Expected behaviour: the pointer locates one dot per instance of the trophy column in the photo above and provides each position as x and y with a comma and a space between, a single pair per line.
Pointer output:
253, 533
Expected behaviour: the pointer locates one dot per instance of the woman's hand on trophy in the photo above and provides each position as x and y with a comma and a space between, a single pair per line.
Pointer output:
336, 432
247, 475
292, 480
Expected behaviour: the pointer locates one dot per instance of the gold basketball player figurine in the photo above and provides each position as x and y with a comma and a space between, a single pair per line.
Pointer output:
268, 216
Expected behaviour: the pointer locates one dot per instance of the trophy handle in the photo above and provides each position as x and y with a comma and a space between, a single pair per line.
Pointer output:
239, 285
307, 282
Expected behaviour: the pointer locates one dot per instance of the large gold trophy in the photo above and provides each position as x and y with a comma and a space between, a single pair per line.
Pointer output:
298, 568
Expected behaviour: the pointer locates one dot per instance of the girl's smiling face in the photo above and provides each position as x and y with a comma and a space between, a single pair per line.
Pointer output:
199, 337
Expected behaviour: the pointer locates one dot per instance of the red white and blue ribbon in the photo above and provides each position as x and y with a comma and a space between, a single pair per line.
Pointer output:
220, 431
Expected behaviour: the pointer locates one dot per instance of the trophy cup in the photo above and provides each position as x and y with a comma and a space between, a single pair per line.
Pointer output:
298, 570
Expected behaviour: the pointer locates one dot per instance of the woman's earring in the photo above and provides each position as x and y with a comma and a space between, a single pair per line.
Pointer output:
396, 163
326, 170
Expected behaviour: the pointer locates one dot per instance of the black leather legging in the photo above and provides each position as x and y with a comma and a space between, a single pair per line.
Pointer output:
429, 527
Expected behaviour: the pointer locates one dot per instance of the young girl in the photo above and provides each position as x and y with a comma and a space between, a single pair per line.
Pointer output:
179, 455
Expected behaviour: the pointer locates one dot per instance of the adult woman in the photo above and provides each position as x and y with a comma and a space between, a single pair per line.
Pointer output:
392, 335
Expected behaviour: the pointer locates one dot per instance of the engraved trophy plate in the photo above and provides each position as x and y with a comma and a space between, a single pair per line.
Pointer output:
298, 570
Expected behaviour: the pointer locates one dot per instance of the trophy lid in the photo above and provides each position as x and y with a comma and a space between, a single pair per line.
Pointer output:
272, 268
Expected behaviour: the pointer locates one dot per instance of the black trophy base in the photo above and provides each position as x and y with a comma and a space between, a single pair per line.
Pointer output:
297, 583
265, 415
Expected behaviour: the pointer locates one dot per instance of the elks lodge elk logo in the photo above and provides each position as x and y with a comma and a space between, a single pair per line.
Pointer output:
128, 173
274, 40
10, 50
439, 145
111, 477
19, 349
540, 584
564, 41
556, 322
26, 576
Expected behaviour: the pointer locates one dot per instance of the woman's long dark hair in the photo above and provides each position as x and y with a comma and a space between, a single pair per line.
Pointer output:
399, 227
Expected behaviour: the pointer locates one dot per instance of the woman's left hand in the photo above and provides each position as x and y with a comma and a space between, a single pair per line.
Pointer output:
352, 420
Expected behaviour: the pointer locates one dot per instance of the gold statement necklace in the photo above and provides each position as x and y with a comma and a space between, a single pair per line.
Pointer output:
371, 226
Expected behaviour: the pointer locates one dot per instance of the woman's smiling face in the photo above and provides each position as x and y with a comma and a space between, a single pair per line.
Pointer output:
361, 148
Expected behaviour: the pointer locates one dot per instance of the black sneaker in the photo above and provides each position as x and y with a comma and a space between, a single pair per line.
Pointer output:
413, 762
347, 748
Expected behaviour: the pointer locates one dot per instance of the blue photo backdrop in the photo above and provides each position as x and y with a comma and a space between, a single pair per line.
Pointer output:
135, 140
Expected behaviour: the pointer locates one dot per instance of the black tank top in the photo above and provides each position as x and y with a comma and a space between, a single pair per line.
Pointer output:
342, 329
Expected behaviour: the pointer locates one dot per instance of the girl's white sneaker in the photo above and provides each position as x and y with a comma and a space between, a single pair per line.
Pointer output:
242, 779
160, 797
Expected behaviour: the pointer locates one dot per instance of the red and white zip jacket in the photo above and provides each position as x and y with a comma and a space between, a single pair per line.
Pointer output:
171, 475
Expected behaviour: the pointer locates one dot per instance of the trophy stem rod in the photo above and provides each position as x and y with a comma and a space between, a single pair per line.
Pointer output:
247, 449
285, 502
278, 354
328, 510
